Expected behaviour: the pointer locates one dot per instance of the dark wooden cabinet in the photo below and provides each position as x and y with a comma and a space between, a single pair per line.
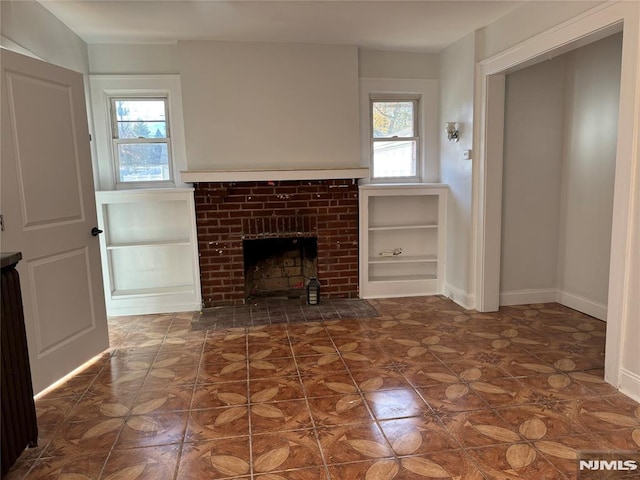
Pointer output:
18, 421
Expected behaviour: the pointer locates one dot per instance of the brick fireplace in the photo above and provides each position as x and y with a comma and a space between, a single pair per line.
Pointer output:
229, 213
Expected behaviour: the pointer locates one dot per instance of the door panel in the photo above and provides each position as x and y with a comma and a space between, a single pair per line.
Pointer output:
47, 200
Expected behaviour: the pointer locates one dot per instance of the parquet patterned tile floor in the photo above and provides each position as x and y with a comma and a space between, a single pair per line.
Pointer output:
425, 390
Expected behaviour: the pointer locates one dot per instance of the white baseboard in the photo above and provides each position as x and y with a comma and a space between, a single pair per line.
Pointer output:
630, 384
126, 310
523, 297
583, 305
459, 296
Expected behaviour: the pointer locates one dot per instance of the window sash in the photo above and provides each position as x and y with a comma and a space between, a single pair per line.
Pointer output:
114, 117
391, 98
117, 141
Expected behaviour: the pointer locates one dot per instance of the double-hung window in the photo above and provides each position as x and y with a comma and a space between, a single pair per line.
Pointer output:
395, 140
141, 139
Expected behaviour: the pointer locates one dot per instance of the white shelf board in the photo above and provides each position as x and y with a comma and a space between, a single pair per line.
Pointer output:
159, 243
404, 259
402, 227
151, 292
401, 278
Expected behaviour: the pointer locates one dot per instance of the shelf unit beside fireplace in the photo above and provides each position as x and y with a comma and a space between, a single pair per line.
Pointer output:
406, 217
149, 250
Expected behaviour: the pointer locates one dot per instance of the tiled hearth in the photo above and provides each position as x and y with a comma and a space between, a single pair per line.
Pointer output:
426, 390
228, 213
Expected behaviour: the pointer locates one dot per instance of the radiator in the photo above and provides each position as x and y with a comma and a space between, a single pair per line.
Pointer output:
18, 421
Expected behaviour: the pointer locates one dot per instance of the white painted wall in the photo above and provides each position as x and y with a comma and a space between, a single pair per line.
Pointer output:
533, 150
387, 64
257, 105
457, 63
591, 126
132, 59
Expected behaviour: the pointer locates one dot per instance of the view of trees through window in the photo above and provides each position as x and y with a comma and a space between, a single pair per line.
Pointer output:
141, 139
394, 139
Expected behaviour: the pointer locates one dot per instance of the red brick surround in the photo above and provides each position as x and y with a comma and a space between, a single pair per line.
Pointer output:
227, 213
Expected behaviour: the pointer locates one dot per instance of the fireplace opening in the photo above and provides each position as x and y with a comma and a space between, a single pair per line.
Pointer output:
279, 267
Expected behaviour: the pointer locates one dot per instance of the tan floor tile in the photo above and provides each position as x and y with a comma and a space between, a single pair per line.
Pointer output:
455, 397
417, 435
79, 438
284, 451
329, 384
339, 410
353, 443
276, 389
152, 429
480, 429
228, 458
281, 416
215, 423
445, 464
518, 460
219, 395
277, 367
149, 463
387, 404
87, 466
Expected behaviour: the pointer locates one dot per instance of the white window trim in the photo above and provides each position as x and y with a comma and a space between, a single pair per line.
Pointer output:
103, 88
427, 90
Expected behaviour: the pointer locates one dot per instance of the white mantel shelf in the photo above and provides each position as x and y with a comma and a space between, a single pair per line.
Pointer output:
195, 176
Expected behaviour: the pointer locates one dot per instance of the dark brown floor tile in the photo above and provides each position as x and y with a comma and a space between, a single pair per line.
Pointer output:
387, 404
80, 438
318, 473
230, 371
339, 410
385, 468
94, 406
54, 411
85, 466
443, 464
455, 397
320, 364
479, 429
329, 384
171, 398
268, 351
353, 443
276, 389
279, 417
153, 429
379, 379
432, 373
284, 451
599, 415
157, 463
177, 358
228, 458
219, 395
563, 452
216, 423
417, 435
277, 367
627, 439
501, 392
518, 460
534, 422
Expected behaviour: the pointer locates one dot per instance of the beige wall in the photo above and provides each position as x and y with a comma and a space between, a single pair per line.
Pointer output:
249, 105
132, 59
456, 105
533, 151
388, 64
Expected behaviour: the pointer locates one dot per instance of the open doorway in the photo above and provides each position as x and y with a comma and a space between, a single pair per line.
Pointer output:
560, 136
621, 363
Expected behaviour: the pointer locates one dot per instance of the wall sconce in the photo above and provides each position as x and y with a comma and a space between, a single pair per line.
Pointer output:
313, 291
451, 128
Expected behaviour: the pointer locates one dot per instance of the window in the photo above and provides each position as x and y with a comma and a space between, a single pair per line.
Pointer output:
395, 140
141, 139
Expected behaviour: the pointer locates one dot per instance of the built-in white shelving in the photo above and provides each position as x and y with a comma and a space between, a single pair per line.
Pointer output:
402, 248
149, 250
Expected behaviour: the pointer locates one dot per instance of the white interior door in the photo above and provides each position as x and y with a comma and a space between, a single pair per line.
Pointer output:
48, 208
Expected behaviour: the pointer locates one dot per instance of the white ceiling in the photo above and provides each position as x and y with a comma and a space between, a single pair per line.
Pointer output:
426, 26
